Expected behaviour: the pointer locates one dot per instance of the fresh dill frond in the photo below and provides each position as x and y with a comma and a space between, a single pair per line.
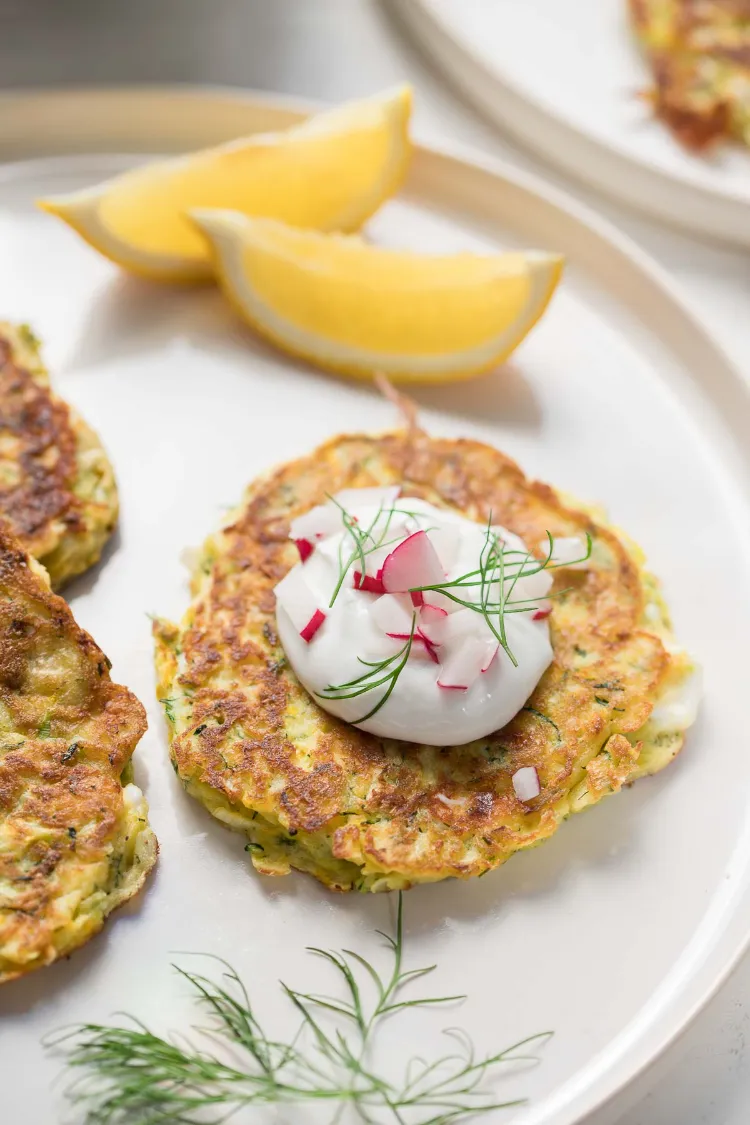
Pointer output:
379, 672
131, 1076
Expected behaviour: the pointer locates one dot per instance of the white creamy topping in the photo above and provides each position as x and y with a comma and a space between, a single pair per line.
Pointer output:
458, 684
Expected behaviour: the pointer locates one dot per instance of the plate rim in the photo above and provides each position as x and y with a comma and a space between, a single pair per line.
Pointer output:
668, 1026
720, 215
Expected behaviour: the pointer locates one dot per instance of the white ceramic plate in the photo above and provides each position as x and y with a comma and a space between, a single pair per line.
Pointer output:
564, 79
615, 932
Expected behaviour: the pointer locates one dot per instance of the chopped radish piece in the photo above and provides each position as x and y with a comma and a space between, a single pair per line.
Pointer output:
318, 523
542, 612
446, 540
536, 585
305, 548
432, 622
296, 598
431, 615
462, 668
567, 552
526, 783
493, 648
368, 583
417, 640
417, 598
441, 601
312, 626
429, 645
368, 497
392, 615
456, 627
412, 563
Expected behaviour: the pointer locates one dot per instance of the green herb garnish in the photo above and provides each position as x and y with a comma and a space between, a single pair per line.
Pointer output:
378, 672
130, 1076
493, 581
168, 705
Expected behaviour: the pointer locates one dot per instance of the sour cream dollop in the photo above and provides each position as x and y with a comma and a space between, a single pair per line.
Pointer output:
457, 683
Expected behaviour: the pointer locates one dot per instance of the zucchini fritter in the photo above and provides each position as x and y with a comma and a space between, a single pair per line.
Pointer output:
74, 835
57, 488
360, 812
699, 52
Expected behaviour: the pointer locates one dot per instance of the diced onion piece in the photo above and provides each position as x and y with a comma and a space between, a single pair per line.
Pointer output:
568, 552
463, 667
319, 523
312, 626
526, 783
385, 498
412, 563
451, 802
296, 598
393, 615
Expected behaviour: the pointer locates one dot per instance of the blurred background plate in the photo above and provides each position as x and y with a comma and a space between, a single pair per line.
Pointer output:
563, 79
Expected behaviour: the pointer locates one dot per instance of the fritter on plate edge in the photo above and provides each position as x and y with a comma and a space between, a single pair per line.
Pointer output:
74, 836
57, 486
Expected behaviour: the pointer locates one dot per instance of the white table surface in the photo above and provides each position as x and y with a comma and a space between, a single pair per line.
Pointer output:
337, 49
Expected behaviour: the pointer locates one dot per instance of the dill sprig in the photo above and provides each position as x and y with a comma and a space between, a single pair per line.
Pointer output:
378, 672
366, 539
500, 568
500, 571
130, 1076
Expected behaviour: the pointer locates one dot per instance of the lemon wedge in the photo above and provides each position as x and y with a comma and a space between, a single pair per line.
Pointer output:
329, 173
358, 309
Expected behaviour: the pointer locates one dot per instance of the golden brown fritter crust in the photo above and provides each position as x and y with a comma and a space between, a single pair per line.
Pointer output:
57, 488
73, 842
699, 52
358, 811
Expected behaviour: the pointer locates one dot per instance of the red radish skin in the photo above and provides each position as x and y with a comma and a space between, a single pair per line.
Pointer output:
368, 583
541, 614
431, 617
305, 548
453, 687
492, 659
411, 564
417, 598
463, 667
318, 523
417, 639
312, 626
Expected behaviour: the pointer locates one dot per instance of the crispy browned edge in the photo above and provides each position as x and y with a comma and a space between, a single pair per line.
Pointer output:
64, 794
